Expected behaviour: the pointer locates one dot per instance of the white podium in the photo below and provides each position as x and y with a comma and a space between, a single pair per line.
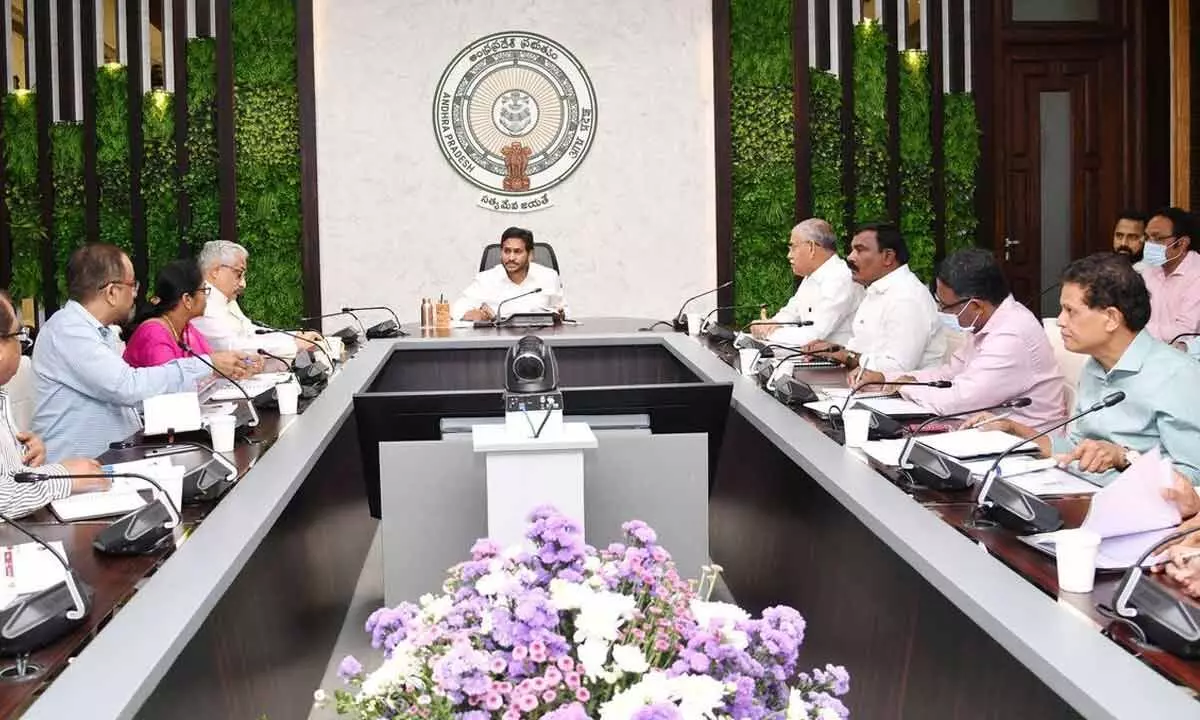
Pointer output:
524, 473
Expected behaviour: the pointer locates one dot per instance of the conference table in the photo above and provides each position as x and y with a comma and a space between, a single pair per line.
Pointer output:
933, 617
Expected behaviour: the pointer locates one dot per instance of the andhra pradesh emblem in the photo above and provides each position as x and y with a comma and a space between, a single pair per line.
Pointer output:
514, 114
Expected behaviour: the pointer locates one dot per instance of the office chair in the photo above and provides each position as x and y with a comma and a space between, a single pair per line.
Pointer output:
543, 254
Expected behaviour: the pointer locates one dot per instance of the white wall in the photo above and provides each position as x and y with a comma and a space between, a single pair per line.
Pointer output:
634, 227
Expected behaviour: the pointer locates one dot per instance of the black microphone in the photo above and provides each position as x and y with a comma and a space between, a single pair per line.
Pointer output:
385, 329
249, 400
679, 322
723, 333
343, 311
854, 391
1156, 614
1016, 509
1006, 405
140, 532
731, 307
263, 330
36, 620
199, 484
498, 317
307, 374
933, 470
1183, 335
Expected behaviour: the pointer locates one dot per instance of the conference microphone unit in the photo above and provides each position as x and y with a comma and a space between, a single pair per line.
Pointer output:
1012, 507
309, 374
941, 384
33, 621
883, 427
386, 329
347, 335
249, 400
724, 333
679, 322
933, 470
498, 319
1156, 614
141, 532
200, 484
263, 330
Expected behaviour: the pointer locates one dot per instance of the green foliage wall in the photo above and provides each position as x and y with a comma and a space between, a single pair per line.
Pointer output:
916, 163
66, 162
825, 132
112, 156
201, 178
268, 152
21, 192
159, 185
764, 175
870, 122
962, 165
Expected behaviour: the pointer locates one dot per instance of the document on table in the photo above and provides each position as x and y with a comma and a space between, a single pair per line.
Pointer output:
841, 393
884, 452
974, 443
29, 567
895, 407
121, 498
1037, 476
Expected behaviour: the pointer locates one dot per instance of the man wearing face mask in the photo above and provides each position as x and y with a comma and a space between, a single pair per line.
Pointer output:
1172, 275
1007, 356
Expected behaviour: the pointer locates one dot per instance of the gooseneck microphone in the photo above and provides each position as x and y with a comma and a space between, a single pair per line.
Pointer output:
140, 532
854, 391
36, 620
1011, 506
249, 400
263, 330
196, 488
1006, 405
498, 318
679, 322
386, 329
343, 311
1154, 612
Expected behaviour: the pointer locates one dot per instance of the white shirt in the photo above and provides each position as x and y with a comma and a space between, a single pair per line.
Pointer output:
896, 328
226, 327
829, 298
493, 286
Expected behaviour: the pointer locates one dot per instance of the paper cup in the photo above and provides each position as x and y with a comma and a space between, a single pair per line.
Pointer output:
694, 323
748, 360
858, 426
288, 396
1075, 552
220, 428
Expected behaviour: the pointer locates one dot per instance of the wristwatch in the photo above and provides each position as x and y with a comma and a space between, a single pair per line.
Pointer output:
1131, 456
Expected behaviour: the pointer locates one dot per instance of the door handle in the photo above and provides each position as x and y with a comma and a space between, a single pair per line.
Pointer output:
1008, 245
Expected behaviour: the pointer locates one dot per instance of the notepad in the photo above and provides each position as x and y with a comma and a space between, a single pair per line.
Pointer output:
895, 407
975, 443
89, 506
29, 567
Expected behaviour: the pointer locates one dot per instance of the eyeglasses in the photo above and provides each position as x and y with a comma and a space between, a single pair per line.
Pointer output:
135, 285
22, 337
206, 290
1159, 240
239, 271
943, 307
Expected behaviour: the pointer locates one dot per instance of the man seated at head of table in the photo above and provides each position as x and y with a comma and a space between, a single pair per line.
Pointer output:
828, 296
24, 451
896, 327
223, 324
86, 393
1105, 308
1172, 275
524, 284
1007, 355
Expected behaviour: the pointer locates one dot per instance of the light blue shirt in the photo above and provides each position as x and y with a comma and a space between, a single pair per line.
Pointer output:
86, 393
1161, 406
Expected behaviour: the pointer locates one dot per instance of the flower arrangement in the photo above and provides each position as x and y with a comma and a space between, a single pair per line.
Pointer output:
563, 631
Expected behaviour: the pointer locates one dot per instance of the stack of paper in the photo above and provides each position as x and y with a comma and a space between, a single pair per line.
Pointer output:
29, 567
974, 443
123, 496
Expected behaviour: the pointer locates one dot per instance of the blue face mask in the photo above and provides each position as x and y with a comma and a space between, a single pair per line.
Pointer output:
1154, 254
950, 320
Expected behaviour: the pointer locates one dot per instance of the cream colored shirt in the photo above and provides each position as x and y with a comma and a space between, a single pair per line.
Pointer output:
896, 327
226, 327
829, 298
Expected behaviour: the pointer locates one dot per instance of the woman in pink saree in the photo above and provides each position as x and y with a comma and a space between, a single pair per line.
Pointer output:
164, 331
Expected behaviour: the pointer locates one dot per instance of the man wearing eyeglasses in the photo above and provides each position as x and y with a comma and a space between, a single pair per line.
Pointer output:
86, 393
1172, 275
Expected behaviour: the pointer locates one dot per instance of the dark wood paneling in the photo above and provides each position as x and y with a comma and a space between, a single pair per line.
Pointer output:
45, 117
204, 26
179, 41
5, 228
226, 149
891, 99
937, 128
723, 138
800, 95
91, 183
955, 45
306, 86
823, 31
137, 151
1195, 15
845, 31
66, 62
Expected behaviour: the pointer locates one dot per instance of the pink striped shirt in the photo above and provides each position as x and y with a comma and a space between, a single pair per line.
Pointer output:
1007, 358
152, 344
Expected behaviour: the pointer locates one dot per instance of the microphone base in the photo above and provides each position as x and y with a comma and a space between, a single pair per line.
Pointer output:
1016, 510
35, 621
141, 532
383, 330
1170, 622
348, 335
930, 469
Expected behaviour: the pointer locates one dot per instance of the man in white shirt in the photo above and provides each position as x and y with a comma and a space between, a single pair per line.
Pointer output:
896, 328
223, 324
828, 296
518, 282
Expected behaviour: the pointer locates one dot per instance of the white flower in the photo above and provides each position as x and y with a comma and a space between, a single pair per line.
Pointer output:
402, 667
828, 714
591, 563
797, 709
724, 613
319, 698
698, 695
602, 615
496, 582
567, 595
630, 659
593, 653
435, 609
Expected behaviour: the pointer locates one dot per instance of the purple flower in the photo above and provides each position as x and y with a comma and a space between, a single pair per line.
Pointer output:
640, 532
349, 668
574, 711
661, 711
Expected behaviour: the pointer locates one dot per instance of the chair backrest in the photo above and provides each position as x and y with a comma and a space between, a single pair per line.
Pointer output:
1071, 363
21, 394
954, 341
543, 254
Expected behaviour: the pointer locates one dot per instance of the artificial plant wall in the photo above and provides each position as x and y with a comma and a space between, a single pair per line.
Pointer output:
66, 162
21, 191
200, 181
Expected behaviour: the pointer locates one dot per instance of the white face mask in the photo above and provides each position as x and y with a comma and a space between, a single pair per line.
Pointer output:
1155, 255
950, 320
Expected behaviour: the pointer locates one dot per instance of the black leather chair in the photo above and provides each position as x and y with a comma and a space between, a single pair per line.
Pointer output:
543, 254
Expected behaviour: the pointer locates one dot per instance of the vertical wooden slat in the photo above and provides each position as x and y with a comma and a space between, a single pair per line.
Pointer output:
66, 61
955, 47
137, 205
988, 65
204, 25
1194, 42
90, 47
935, 44
1181, 103
891, 100
51, 20
823, 30
226, 148
310, 241
802, 135
845, 31
5, 228
723, 137
45, 116
179, 30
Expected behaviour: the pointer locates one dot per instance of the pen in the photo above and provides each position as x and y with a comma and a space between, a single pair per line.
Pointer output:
858, 376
